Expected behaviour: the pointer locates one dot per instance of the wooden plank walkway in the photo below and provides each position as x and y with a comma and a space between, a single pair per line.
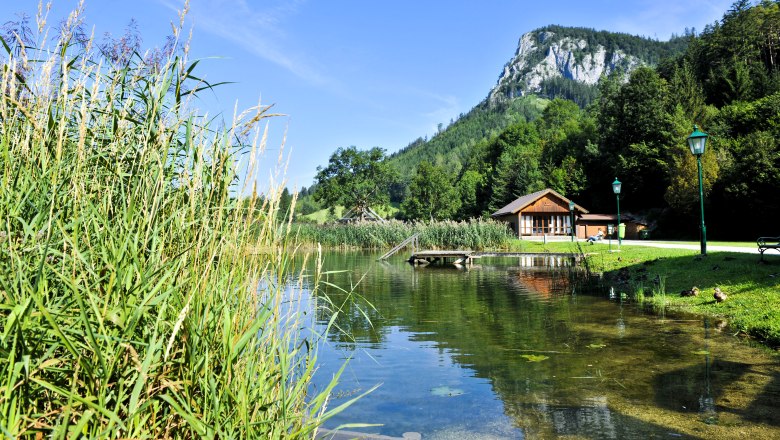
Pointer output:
527, 254
428, 257
467, 257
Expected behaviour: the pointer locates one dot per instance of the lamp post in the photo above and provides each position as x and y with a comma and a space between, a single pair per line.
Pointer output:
616, 185
571, 211
697, 141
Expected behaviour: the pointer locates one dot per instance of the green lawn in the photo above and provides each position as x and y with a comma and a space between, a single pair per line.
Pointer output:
324, 215
656, 276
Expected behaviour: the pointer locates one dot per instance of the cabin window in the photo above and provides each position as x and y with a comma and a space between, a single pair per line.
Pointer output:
545, 224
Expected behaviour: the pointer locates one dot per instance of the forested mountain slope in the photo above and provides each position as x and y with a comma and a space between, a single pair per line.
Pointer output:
451, 147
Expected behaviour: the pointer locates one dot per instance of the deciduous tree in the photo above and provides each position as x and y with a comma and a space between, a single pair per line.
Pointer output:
431, 196
354, 178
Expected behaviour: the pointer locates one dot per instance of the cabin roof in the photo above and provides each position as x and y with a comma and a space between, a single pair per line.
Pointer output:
522, 202
598, 217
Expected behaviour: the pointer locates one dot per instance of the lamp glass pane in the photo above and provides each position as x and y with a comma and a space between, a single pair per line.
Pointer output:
697, 144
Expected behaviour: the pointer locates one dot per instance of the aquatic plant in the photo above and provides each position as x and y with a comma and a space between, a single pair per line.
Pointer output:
475, 234
659, 294
638, 291
534, 357
132, 303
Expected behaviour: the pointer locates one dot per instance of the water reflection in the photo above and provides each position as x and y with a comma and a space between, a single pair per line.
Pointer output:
503, 351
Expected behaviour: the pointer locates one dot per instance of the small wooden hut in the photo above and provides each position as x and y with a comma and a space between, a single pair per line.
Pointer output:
361, 214
543, 213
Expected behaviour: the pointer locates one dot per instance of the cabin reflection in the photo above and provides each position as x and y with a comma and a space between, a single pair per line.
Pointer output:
543, 277
591, 418
545, 262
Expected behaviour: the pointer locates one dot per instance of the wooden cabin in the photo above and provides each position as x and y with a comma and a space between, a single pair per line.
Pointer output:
543, 213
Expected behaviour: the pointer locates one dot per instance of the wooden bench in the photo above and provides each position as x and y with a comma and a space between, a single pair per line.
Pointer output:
766, 243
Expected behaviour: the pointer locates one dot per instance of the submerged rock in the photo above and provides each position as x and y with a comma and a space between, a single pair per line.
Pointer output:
445, 391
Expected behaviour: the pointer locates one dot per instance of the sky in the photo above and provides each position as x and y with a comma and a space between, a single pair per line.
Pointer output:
362, 72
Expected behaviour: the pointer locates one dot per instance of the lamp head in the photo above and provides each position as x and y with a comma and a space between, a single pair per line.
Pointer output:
697, 141
616, 185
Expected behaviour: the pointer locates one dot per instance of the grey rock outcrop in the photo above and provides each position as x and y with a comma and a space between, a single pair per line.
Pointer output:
542, 55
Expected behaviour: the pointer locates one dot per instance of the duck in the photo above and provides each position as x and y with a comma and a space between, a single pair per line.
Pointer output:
719, 295
693, 291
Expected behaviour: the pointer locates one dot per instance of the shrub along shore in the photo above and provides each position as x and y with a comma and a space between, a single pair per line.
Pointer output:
130, 304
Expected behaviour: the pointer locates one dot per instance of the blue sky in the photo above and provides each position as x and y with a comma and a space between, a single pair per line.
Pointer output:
360, 72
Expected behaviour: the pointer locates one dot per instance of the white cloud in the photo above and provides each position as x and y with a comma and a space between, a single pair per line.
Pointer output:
260, 32
448, 108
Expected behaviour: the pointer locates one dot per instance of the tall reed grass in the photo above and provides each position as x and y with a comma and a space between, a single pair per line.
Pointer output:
131, 306
475, 234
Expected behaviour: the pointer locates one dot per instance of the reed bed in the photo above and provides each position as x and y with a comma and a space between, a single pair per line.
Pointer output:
130, 305
475, 234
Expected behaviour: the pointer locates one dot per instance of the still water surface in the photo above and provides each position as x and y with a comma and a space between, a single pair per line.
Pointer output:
505, 350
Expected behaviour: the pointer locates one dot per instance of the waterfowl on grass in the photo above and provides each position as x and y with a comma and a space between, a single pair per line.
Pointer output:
693, 291
719, 295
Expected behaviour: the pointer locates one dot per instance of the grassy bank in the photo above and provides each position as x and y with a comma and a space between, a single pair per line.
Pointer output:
324, 216
129, 304
476, 234
656, 277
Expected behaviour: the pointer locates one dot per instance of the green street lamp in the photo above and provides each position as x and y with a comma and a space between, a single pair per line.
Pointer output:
571, 211
697, 142
616, 185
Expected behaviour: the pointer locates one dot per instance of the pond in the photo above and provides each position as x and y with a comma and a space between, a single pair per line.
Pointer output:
506, 350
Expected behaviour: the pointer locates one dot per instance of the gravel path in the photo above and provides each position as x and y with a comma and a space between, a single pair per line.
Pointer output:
668, 245
695, 247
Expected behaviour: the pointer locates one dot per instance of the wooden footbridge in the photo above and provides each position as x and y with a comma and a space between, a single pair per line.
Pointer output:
464, 257
468, 257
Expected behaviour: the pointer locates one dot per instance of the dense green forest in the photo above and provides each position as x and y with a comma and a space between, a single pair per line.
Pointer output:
725, 79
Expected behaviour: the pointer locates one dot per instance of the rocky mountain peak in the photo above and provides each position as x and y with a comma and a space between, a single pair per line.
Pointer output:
543, 55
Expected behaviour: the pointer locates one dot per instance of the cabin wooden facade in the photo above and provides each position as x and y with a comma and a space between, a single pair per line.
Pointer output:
543, 213
589, 224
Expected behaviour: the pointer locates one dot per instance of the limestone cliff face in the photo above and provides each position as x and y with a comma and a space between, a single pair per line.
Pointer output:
544, 55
